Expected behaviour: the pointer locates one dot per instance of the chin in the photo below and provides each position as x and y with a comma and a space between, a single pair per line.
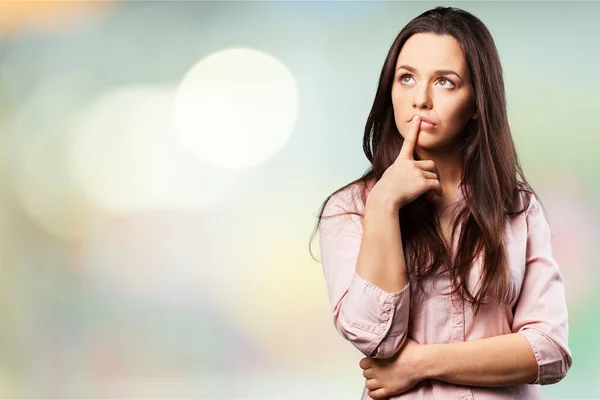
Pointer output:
426, 139
429, 144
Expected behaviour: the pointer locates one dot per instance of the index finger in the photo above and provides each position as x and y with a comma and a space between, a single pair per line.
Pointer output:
410, 139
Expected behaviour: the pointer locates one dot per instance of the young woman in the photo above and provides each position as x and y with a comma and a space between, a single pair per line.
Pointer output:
437, 260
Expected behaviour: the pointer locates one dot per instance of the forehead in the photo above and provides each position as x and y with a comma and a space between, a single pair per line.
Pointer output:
427, 51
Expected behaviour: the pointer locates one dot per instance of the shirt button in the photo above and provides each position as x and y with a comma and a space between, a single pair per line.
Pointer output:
387, 306
385, 316
457, 320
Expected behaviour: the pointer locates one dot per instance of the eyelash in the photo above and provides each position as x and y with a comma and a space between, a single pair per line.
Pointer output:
445, 79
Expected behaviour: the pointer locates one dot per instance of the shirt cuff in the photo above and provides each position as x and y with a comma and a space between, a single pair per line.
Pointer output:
372, 309
552, 366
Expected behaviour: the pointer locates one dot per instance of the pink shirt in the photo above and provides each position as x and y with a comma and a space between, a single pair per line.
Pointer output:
377, 322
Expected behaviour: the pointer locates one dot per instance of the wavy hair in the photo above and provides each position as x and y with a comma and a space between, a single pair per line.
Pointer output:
492, 179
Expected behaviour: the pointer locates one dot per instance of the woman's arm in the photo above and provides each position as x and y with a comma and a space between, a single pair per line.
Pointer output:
537, 351
497, 361
365, 274
540, 314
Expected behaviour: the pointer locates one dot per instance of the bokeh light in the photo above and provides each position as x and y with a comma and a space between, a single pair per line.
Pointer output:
124, 153
236, 108
48, 16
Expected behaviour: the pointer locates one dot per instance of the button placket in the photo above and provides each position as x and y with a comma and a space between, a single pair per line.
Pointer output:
458, 320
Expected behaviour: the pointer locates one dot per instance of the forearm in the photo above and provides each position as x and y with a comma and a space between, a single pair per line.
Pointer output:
497, 361
370, 313
381, 258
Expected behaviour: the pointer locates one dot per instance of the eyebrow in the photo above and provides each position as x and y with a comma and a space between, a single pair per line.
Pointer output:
438, 72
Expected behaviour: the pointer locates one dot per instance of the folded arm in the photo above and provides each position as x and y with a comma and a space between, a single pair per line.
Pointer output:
365, 276
537, 351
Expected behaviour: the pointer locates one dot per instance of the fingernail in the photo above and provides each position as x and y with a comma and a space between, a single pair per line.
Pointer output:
416, 118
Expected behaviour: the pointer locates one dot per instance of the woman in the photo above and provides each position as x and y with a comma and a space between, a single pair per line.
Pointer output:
437, 260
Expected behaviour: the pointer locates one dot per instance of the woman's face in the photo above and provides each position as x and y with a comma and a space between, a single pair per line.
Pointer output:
432, 80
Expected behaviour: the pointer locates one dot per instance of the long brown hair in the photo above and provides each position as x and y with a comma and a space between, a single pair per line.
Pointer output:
492, 179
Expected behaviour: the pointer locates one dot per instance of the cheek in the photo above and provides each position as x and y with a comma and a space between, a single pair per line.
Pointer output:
457, 113
397, 98
398, 107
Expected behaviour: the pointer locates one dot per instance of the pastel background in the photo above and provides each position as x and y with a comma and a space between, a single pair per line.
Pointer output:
162, 164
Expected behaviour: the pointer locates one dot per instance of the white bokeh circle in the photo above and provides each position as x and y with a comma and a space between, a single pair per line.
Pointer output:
236, 108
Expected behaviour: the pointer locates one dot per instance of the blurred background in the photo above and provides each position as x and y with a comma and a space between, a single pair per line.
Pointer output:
162, 164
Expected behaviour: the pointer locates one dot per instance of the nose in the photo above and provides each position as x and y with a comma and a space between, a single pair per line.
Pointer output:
422, 98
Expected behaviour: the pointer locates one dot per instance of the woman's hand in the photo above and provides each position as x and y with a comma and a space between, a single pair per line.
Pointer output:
407, 179
394, 375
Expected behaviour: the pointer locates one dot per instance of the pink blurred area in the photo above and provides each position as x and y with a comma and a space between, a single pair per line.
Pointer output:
573, 218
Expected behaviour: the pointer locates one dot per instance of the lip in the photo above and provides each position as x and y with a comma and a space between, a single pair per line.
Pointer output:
423, 119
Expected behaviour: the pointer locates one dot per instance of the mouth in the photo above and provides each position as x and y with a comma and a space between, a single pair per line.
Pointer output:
426, 123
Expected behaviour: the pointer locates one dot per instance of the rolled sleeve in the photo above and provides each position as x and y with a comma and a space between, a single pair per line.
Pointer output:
380, 317
541, 310
553, 362
373, 320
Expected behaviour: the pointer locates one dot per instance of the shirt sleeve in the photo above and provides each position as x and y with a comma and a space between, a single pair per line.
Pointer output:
373, 320
541, 310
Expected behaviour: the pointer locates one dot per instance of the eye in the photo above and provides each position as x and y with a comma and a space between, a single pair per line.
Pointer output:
403, 76
446, 80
